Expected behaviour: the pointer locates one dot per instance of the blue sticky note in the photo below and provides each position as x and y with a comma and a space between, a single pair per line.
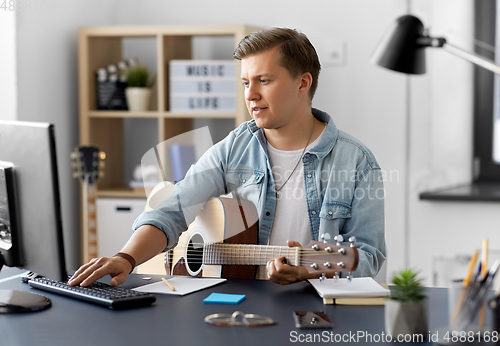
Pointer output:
223, 298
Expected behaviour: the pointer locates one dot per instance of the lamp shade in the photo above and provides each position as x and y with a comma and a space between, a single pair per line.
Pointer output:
399, 49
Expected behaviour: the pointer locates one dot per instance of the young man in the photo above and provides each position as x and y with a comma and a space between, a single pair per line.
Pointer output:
306, 178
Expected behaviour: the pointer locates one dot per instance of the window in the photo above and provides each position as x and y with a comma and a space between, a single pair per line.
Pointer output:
487, 96
496, 116
486, 184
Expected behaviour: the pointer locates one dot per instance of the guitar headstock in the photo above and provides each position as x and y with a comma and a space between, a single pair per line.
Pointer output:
320, 257
88, 164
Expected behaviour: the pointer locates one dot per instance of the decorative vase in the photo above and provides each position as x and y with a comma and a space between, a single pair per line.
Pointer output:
405, 318
138, 99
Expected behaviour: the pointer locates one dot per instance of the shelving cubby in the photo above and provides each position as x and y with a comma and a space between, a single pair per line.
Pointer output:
102, 46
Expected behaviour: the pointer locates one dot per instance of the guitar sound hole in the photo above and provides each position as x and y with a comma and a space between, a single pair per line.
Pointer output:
194, 254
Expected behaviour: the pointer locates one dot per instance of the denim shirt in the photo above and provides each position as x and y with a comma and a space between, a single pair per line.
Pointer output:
343, 190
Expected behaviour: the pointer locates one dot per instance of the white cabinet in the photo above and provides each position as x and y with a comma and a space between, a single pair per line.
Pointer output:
115, 217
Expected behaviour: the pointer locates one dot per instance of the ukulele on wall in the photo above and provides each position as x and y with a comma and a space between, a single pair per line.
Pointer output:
88, 162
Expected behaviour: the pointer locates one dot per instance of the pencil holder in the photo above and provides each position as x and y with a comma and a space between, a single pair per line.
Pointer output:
456, 295
463, 311
494, 305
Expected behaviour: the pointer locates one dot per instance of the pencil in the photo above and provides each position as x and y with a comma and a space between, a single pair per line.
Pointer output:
472, 263
484, 258
465, 283
168, 284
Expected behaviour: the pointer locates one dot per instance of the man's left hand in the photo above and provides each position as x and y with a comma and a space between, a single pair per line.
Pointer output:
280, 272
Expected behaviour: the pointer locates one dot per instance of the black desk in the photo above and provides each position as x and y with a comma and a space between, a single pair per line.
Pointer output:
178, 320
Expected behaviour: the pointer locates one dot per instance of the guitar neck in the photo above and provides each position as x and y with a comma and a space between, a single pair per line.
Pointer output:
88, 164
244, 254
89, 222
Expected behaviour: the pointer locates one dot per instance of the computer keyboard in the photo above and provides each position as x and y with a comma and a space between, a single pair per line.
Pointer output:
115, 298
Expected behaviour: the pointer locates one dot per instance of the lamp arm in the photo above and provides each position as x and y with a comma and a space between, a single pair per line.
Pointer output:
471, 57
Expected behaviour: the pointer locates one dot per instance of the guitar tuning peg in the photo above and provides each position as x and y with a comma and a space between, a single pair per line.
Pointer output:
349, 276
102, 155
322, 278
323, 238
352, 240
101, 174
75, 175
338, 239
336, 277
73, 155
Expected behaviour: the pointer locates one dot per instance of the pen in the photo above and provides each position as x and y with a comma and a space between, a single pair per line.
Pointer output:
497, 289
168, 284
480, 292
483, 275
494, 269
485, 285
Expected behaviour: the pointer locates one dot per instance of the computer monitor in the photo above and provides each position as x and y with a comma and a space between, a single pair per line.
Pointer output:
31, 234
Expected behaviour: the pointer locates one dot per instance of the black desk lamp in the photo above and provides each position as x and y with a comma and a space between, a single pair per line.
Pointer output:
403, 46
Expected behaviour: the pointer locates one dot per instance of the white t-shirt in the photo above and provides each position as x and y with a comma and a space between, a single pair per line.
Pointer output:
291, 220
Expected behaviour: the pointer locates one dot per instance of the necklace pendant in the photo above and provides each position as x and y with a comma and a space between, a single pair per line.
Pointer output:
278, 195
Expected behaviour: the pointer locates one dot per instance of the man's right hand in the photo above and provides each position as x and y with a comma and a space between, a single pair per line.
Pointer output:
117, 267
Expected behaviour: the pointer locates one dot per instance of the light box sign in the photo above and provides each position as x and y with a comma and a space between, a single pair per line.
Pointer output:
205, 86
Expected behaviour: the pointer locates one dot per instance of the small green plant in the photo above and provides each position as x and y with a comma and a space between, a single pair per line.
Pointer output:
137, 76
407, 287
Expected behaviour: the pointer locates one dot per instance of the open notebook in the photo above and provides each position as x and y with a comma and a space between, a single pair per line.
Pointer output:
356, 288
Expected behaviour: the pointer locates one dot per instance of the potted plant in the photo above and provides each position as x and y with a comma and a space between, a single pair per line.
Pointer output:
138, 90
406, 307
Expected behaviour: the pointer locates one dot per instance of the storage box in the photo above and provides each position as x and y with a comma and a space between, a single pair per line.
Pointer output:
202, 86
115, 217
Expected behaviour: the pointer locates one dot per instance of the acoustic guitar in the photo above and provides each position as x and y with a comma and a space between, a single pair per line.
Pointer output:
88, 163
221, 242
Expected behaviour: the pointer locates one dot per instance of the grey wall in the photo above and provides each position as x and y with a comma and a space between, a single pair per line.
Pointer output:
428, 117
8, 82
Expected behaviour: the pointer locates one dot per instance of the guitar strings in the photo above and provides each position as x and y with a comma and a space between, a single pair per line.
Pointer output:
235, 258
303, 262
247, 255
263, 248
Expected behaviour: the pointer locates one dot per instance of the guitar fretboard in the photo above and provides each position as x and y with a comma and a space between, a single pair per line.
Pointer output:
221, 253
89, 223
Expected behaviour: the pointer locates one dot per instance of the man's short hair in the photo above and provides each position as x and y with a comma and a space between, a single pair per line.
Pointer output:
297, 53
